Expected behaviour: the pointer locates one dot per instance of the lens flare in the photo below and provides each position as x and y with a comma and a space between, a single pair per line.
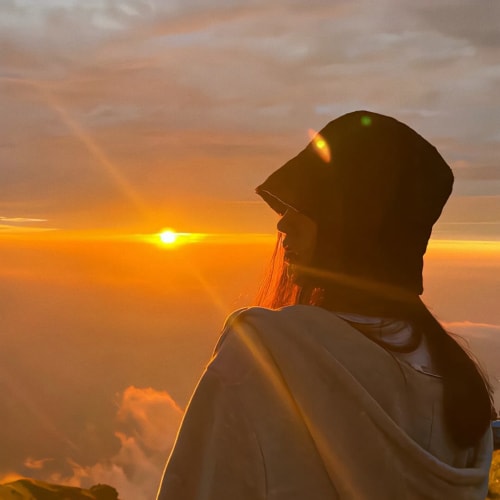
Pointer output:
366, 121
320, 145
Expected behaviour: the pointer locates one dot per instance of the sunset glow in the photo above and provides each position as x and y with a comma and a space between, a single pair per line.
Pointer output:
168, 237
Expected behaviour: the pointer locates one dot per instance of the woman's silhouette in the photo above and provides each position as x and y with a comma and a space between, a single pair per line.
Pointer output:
345, 386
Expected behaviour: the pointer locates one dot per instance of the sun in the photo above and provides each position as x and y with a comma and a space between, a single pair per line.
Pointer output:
168, 237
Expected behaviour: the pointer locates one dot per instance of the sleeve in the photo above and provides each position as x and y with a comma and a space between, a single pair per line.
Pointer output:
217, 454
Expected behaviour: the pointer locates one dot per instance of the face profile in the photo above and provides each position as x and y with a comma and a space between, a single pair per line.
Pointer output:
299, 241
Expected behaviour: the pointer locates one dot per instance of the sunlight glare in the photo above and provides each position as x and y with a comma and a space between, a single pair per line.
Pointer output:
168, 237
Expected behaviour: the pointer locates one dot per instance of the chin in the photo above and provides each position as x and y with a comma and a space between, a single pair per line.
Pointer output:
298, 275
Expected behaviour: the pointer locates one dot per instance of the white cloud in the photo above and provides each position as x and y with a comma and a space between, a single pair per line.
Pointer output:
153, 414
148, 421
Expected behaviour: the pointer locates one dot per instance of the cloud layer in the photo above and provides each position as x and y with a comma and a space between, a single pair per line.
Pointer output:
122, 102
147, 422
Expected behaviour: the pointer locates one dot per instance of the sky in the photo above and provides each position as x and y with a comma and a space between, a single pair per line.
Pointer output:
121, 118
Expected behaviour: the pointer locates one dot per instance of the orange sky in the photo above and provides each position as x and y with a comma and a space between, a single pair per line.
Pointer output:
104, 336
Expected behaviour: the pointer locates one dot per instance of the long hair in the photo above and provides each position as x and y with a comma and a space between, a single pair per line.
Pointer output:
467, 393
277, 289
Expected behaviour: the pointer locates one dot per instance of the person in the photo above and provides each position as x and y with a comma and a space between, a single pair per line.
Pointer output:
345, 386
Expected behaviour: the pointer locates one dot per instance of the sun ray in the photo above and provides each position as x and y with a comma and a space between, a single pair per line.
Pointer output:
17, 392
85, 138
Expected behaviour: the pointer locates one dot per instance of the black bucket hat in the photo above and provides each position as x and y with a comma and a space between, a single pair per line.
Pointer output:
375, 188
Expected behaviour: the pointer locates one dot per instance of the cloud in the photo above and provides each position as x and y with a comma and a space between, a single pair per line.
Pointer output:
32, 463
474, 329
147, 423
472, 324
153, 415
467, 171
20, 219
465, 20
467, 209
22, 225
180, 94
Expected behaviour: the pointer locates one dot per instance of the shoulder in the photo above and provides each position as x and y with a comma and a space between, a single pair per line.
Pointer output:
288, 337
246, 314
233, 358
254, 334
255, 321
241, 320
284, 314
281, 323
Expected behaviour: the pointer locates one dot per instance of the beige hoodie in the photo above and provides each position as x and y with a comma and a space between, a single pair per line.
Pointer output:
297, 404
